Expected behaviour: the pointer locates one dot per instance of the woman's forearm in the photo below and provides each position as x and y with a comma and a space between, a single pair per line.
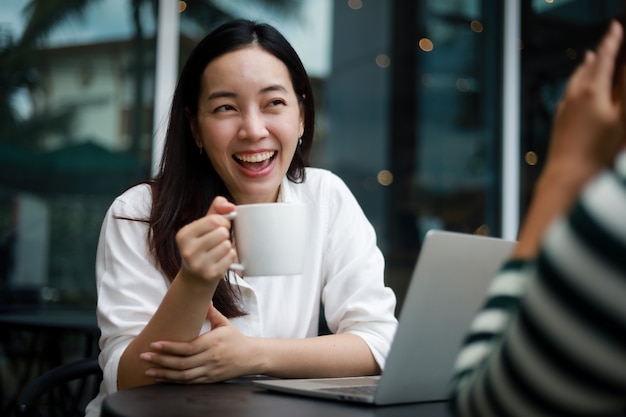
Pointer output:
179, 317
554, 195
335, 355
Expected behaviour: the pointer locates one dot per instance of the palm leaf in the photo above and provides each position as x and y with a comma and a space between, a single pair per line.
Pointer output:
42, 16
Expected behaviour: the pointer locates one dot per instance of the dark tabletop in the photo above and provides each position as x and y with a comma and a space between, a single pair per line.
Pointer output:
239, 398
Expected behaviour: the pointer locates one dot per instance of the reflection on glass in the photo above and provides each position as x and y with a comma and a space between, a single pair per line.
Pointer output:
76, 109
457, 140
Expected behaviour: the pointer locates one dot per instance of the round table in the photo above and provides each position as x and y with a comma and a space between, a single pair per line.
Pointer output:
239, 398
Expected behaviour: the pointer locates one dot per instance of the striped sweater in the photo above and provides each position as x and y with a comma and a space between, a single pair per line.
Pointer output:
550, 339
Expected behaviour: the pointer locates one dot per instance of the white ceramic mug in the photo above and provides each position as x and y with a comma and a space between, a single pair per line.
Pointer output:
270, 238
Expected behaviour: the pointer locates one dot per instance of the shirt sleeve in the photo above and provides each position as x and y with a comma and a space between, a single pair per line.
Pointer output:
549, 340
130, 287
354, 295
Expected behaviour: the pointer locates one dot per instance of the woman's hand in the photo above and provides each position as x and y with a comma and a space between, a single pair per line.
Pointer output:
220, 354
588, 131
589, 125
205, 246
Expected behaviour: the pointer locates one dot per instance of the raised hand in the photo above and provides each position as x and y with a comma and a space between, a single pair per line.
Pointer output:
589, 130
589, 124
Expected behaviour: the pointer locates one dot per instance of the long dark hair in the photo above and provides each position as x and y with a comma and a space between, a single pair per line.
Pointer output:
187, 182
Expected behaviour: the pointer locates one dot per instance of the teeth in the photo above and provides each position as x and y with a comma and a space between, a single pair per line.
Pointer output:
260, 157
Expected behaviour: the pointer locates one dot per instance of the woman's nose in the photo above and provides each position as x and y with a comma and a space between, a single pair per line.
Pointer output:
253, 126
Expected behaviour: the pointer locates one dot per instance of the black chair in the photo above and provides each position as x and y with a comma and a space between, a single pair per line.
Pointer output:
63, 391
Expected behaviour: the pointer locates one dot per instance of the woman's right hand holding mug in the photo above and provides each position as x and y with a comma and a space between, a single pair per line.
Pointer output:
205, 246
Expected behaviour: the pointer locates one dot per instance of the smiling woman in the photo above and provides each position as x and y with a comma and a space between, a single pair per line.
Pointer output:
169, 307
249, 122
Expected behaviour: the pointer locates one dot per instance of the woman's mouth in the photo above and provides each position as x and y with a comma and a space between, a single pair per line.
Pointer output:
255, 161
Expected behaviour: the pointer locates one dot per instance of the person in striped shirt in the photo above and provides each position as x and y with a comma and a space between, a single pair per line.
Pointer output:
550, 339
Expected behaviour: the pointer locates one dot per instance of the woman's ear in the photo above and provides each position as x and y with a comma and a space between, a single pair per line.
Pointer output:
301, 128
193, 126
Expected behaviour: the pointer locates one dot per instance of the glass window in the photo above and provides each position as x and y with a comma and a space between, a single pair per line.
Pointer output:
76, 104
412, 108
75, 131
455, 173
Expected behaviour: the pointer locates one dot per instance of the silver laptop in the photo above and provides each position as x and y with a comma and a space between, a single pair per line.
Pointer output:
447, 288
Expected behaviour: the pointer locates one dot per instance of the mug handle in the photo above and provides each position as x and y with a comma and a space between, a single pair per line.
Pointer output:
234, 266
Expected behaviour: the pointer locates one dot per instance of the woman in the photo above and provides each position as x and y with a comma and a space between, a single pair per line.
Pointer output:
240, 130
551, 338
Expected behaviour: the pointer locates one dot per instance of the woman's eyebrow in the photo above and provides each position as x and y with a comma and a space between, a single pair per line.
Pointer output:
230, 94
275, 87
221, 94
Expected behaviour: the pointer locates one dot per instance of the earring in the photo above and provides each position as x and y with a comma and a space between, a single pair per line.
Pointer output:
300, 142
200, 150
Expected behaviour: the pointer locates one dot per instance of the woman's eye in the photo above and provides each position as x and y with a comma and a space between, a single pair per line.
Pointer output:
276, 102
224, 107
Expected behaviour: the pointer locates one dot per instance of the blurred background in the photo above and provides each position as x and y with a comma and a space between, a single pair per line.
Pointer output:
436, 113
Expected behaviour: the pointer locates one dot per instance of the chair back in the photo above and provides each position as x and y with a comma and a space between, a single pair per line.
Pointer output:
63, 391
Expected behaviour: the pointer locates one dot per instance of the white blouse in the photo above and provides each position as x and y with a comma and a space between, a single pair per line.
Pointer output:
344, 270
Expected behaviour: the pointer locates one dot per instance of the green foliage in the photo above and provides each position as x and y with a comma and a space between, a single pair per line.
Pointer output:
18, 71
